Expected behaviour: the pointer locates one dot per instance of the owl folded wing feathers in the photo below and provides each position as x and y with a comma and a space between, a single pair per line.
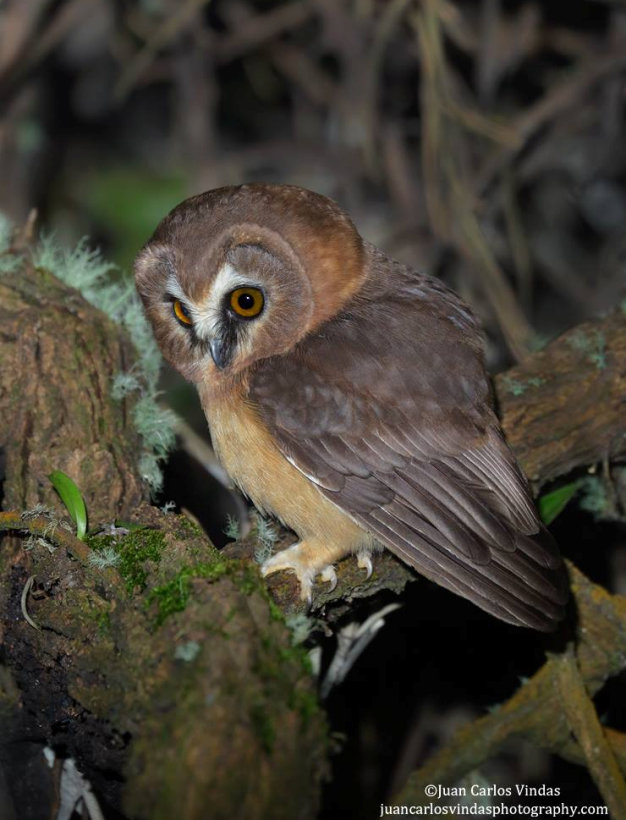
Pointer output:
415, 455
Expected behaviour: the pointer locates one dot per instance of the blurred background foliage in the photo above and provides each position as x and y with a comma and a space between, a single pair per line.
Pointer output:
482, 141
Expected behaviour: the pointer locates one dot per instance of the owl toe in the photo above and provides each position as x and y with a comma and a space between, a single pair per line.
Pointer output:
295, 559
364, 561
290, 560
328, 574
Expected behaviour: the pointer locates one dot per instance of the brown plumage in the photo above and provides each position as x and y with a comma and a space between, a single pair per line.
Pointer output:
346, 394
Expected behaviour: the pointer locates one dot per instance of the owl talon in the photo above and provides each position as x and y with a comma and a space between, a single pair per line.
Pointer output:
290, 560
364, 561
294, 559
328, 574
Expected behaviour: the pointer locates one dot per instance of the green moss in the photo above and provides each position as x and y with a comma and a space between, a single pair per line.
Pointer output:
189, 528
99, 542
276, 612
172, 597
248, 579
305, 703
299, 655
103, 619
263, 726
133, 551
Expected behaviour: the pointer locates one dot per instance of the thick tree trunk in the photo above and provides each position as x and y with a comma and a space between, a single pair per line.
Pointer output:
58, 358
168, 675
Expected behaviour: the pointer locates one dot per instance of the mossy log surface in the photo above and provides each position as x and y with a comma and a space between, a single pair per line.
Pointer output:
170, 676
565, 406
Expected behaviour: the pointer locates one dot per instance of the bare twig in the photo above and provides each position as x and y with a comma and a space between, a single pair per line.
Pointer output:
536, 711
40, 525
449, 198
166, 32
558, 99
258, 29
27, 588
583, 721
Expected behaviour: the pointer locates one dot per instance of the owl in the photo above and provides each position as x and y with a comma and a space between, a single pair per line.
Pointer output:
346, 395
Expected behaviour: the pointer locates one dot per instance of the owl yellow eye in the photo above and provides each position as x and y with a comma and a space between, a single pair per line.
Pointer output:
247, 302
180, 311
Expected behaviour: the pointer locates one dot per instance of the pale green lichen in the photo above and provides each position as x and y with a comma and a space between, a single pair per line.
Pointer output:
594, 497
9, 261
592, 343
232, 528
35, 512
106, 557
155, 424
34, 541
267, 535
300, 626
102, 285
187, 651
518, 387
44, 539
6, 232
123, 384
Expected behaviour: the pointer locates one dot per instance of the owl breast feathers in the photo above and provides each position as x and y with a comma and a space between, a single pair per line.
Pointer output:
346, 394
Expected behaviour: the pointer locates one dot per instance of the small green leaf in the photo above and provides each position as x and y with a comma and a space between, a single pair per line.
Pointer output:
552, 504
131, 526
73, 500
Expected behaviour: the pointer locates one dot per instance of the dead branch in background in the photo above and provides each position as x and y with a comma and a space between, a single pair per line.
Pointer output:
551, 707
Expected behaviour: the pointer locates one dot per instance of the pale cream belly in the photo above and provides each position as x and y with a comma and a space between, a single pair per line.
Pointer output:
252, 460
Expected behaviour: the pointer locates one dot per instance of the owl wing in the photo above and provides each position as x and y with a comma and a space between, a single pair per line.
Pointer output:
387, 411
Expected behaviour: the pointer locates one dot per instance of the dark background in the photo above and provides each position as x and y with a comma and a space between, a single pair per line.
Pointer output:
480, 140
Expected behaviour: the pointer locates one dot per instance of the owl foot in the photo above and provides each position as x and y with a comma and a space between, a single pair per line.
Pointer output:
364, 561
294, 559
328, 574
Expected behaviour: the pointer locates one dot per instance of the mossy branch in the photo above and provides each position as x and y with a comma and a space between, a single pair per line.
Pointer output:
46, 526
553, 703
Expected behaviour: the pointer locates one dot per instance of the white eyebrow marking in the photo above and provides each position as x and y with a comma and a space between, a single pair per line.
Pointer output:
228, 278
207, 314
174, 289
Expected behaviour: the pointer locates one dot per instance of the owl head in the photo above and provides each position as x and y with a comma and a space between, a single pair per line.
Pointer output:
242, 273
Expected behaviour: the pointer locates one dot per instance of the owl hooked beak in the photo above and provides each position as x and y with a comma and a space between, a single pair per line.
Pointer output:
221, 352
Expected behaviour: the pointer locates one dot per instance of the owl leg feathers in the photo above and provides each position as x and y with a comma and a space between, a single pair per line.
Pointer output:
308, 560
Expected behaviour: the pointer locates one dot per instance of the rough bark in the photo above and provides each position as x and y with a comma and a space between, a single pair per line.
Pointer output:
58, 357
565, 406
170, 677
